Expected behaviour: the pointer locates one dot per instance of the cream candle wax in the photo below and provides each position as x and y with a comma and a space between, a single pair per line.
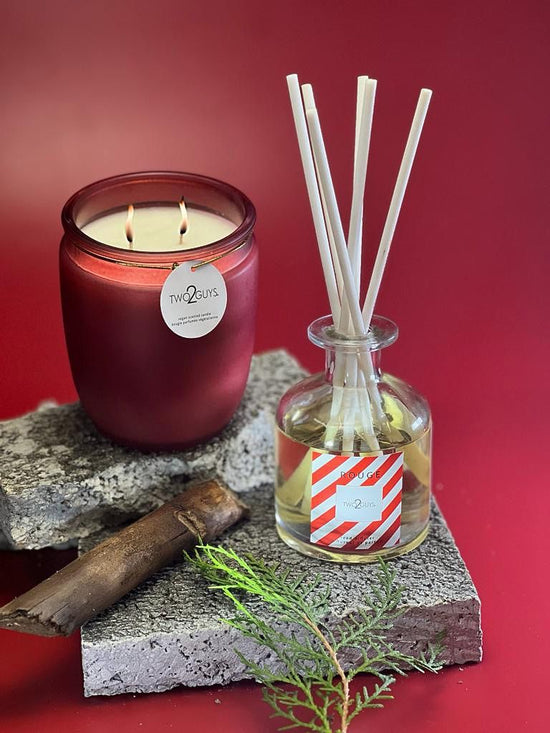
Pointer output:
156, 228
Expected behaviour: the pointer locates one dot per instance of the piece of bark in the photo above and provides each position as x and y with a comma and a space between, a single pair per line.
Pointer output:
94, 581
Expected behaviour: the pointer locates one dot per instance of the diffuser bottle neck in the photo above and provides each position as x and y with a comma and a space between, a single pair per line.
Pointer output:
322, 332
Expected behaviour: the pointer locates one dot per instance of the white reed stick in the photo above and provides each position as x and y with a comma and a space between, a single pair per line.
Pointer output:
337, 398
348, 365
349, 404
309, 101
366, 92
361, 81
395, 205
334, 256
341, 362
325, 178
313, 193
350, 289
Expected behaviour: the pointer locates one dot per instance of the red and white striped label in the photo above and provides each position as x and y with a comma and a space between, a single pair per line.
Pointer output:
356, 501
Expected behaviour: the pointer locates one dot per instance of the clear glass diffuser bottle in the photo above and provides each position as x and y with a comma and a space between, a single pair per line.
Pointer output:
353, 454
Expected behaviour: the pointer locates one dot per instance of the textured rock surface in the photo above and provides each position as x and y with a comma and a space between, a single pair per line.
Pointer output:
168, 632
60, 479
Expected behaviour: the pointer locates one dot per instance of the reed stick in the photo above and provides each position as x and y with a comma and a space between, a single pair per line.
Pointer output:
309, 101
366, 93
395, 204
313, 193
342, 362
355, 391
350, 289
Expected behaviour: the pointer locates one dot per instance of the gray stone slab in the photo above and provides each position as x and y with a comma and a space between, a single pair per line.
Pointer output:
60, 479
168, 631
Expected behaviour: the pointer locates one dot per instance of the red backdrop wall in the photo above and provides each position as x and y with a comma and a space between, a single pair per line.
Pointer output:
94, 89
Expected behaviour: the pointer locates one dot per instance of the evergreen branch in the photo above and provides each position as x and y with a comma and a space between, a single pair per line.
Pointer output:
344, 693
284, 707
228, 571
374, 699
309, 650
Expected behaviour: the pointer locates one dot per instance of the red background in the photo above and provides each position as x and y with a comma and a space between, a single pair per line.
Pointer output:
94, 89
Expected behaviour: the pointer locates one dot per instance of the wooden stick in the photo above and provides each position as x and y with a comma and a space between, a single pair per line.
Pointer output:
395, 205
100, 577
340, 398
318, 145
309, 101
366, 92
313, 193
335, 221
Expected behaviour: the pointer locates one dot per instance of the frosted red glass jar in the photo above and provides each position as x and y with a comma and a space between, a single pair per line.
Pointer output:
143, 385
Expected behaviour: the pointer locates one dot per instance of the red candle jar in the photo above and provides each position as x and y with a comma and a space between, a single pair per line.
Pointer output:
142, 384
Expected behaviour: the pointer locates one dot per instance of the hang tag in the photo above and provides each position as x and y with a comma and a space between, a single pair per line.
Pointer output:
192, 302
356, 500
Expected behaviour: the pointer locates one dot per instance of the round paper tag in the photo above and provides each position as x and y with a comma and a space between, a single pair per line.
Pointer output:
192, 303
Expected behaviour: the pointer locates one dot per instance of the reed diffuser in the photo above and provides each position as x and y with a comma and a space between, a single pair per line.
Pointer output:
353, 443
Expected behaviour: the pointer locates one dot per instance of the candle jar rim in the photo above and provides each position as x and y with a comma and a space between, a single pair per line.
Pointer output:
112, 184
382, 332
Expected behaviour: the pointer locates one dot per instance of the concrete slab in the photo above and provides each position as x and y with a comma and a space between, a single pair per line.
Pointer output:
168, 631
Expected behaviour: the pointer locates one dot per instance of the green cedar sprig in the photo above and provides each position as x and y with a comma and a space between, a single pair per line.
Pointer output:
311, 690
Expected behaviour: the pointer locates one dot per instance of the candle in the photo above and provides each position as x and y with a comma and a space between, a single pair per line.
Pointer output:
142, 384
157, 228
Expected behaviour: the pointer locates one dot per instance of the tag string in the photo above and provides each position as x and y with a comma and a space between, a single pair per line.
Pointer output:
218, 257
174, 264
